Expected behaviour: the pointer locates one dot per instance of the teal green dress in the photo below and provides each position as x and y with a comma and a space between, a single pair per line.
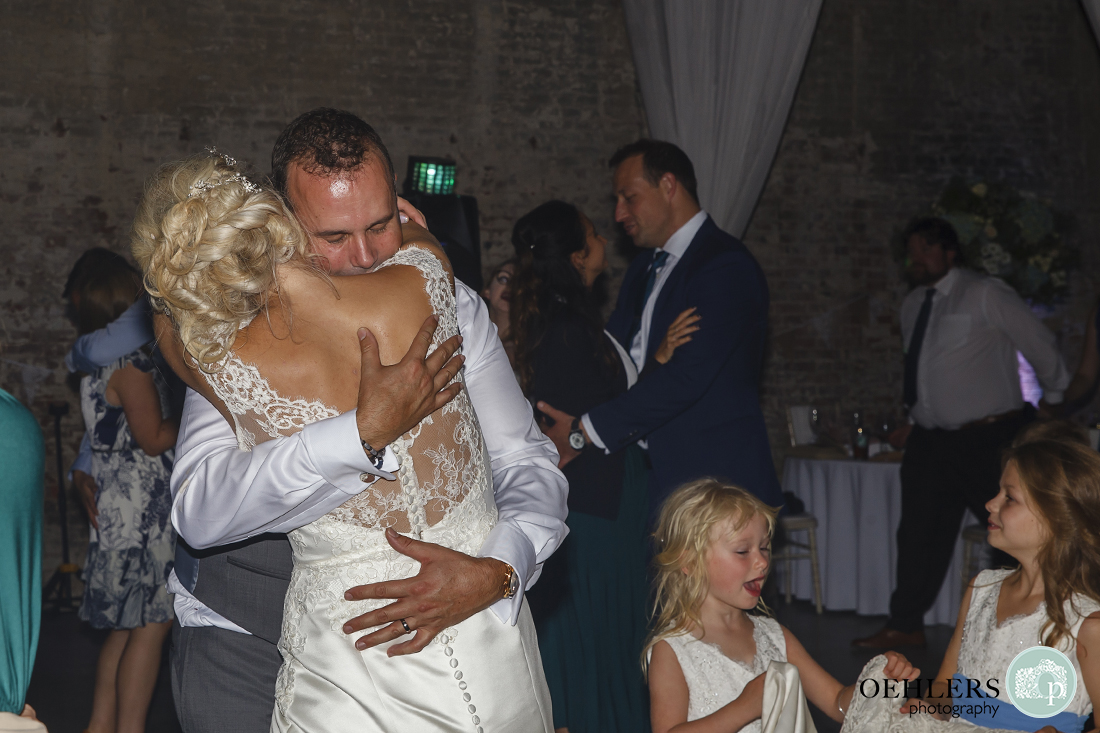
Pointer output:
590, 603
22, 455
591, 633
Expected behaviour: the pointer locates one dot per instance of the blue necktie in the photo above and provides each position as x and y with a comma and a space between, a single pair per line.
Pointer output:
912, 356
639, 307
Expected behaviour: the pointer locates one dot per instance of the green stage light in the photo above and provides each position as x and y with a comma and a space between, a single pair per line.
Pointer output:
431, 175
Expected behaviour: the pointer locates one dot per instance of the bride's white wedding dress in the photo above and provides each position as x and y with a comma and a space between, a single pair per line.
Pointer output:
479, 676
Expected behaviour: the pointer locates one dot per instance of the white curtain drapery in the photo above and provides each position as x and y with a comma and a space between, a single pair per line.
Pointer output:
1092, 8
718, 78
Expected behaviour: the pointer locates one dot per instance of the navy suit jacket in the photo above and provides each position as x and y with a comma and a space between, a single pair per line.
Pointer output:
700, 412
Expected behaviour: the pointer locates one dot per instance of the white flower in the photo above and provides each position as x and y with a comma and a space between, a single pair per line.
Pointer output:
994, 258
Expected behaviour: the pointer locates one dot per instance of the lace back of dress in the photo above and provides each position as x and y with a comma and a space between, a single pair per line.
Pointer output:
441, 460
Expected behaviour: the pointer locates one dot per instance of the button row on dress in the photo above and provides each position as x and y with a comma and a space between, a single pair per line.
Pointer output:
448, 651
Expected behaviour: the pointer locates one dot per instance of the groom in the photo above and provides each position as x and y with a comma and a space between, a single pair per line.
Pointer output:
338, 178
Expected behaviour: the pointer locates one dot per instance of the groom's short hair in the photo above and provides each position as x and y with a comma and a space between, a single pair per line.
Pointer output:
327, 142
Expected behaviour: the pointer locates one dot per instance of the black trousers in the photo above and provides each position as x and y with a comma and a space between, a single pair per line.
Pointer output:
223, 681
944, 472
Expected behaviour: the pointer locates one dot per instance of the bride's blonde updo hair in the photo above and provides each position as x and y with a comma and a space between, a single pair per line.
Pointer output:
208, 241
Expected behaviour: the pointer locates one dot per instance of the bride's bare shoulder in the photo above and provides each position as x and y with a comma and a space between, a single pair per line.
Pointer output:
392, 302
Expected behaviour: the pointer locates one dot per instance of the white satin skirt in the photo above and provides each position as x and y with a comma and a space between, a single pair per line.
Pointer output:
479, 676
487, 678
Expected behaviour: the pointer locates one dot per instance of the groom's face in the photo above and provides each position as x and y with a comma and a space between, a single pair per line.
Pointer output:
351, 217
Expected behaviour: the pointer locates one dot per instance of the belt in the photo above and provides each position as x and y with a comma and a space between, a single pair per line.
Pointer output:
991, 419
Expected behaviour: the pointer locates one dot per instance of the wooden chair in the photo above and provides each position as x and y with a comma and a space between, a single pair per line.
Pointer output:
791, 550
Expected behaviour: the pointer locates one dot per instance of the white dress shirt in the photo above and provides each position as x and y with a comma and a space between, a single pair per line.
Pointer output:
968, 368
223, 495
676, 245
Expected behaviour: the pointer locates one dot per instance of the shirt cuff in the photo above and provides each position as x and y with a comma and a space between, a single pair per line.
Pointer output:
592, 434
509, 545
1052, 397
337, 452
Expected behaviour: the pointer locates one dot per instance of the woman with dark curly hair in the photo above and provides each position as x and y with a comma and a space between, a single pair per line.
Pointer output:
590, 604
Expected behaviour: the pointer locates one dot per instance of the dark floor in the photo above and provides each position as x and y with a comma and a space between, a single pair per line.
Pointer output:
64, 678
828, 640
64, 674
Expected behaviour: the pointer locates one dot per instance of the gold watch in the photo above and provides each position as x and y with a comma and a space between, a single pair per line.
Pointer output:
511, 581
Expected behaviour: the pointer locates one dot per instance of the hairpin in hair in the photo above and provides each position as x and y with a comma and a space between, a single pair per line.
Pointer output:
203, 185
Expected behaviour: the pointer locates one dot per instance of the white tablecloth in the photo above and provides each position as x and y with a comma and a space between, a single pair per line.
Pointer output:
858, 507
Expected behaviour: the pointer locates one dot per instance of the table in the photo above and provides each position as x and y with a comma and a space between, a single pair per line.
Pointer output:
858, 507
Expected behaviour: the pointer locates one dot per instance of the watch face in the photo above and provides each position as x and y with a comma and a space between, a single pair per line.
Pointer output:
576, 440
513, 585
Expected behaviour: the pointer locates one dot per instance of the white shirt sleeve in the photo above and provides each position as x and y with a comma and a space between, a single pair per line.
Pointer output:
1008, 312
530, 490
222, 494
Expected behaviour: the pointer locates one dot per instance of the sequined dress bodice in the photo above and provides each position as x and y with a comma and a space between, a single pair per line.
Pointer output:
714, 680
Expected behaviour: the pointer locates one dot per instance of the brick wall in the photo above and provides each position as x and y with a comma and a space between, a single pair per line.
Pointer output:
896, 97
530, 98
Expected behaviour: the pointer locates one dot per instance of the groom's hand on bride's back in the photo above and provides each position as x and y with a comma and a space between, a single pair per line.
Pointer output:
393, 399
450, 587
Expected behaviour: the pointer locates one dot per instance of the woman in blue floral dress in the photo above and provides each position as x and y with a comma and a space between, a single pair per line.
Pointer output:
132, 542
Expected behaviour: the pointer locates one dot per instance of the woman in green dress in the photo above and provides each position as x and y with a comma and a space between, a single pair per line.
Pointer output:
22, 458
590, 603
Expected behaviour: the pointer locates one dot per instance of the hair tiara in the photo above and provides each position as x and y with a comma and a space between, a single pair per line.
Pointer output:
203, 185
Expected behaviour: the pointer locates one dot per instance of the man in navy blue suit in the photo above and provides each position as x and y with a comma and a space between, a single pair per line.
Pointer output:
699, 413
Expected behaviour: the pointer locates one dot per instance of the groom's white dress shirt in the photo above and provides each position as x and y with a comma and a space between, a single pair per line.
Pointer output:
222, 494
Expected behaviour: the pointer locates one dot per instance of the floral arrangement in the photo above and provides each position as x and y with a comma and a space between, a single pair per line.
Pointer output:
1016, 237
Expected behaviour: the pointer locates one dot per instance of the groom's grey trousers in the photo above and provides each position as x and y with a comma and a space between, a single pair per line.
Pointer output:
224, 681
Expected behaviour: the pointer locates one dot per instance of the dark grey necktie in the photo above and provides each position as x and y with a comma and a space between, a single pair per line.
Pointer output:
912, 355
639, 306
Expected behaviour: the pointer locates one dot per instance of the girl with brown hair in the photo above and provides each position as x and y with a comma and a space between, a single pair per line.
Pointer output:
126, 414
1046, 516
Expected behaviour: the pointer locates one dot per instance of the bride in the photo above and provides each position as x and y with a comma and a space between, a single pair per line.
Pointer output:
271, 342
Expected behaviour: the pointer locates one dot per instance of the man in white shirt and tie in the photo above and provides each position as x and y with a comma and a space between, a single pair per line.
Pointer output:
961, 331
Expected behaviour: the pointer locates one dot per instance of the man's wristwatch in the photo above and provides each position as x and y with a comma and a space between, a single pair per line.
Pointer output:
511, 581
376, 457
576, 436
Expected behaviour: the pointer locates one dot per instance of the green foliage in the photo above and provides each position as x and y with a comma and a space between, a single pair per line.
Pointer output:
1016, 237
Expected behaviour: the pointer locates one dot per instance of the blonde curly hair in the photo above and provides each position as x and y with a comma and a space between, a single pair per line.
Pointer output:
208, 242
683, 538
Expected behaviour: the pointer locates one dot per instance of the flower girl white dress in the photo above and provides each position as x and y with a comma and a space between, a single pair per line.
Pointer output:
986, 651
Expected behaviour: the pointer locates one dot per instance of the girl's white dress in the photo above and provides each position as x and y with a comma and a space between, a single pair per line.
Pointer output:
479, 676
714, 680
986, 651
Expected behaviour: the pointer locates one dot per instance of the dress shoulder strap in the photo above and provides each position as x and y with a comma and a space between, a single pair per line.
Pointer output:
682, 647
437, 284
770, 643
